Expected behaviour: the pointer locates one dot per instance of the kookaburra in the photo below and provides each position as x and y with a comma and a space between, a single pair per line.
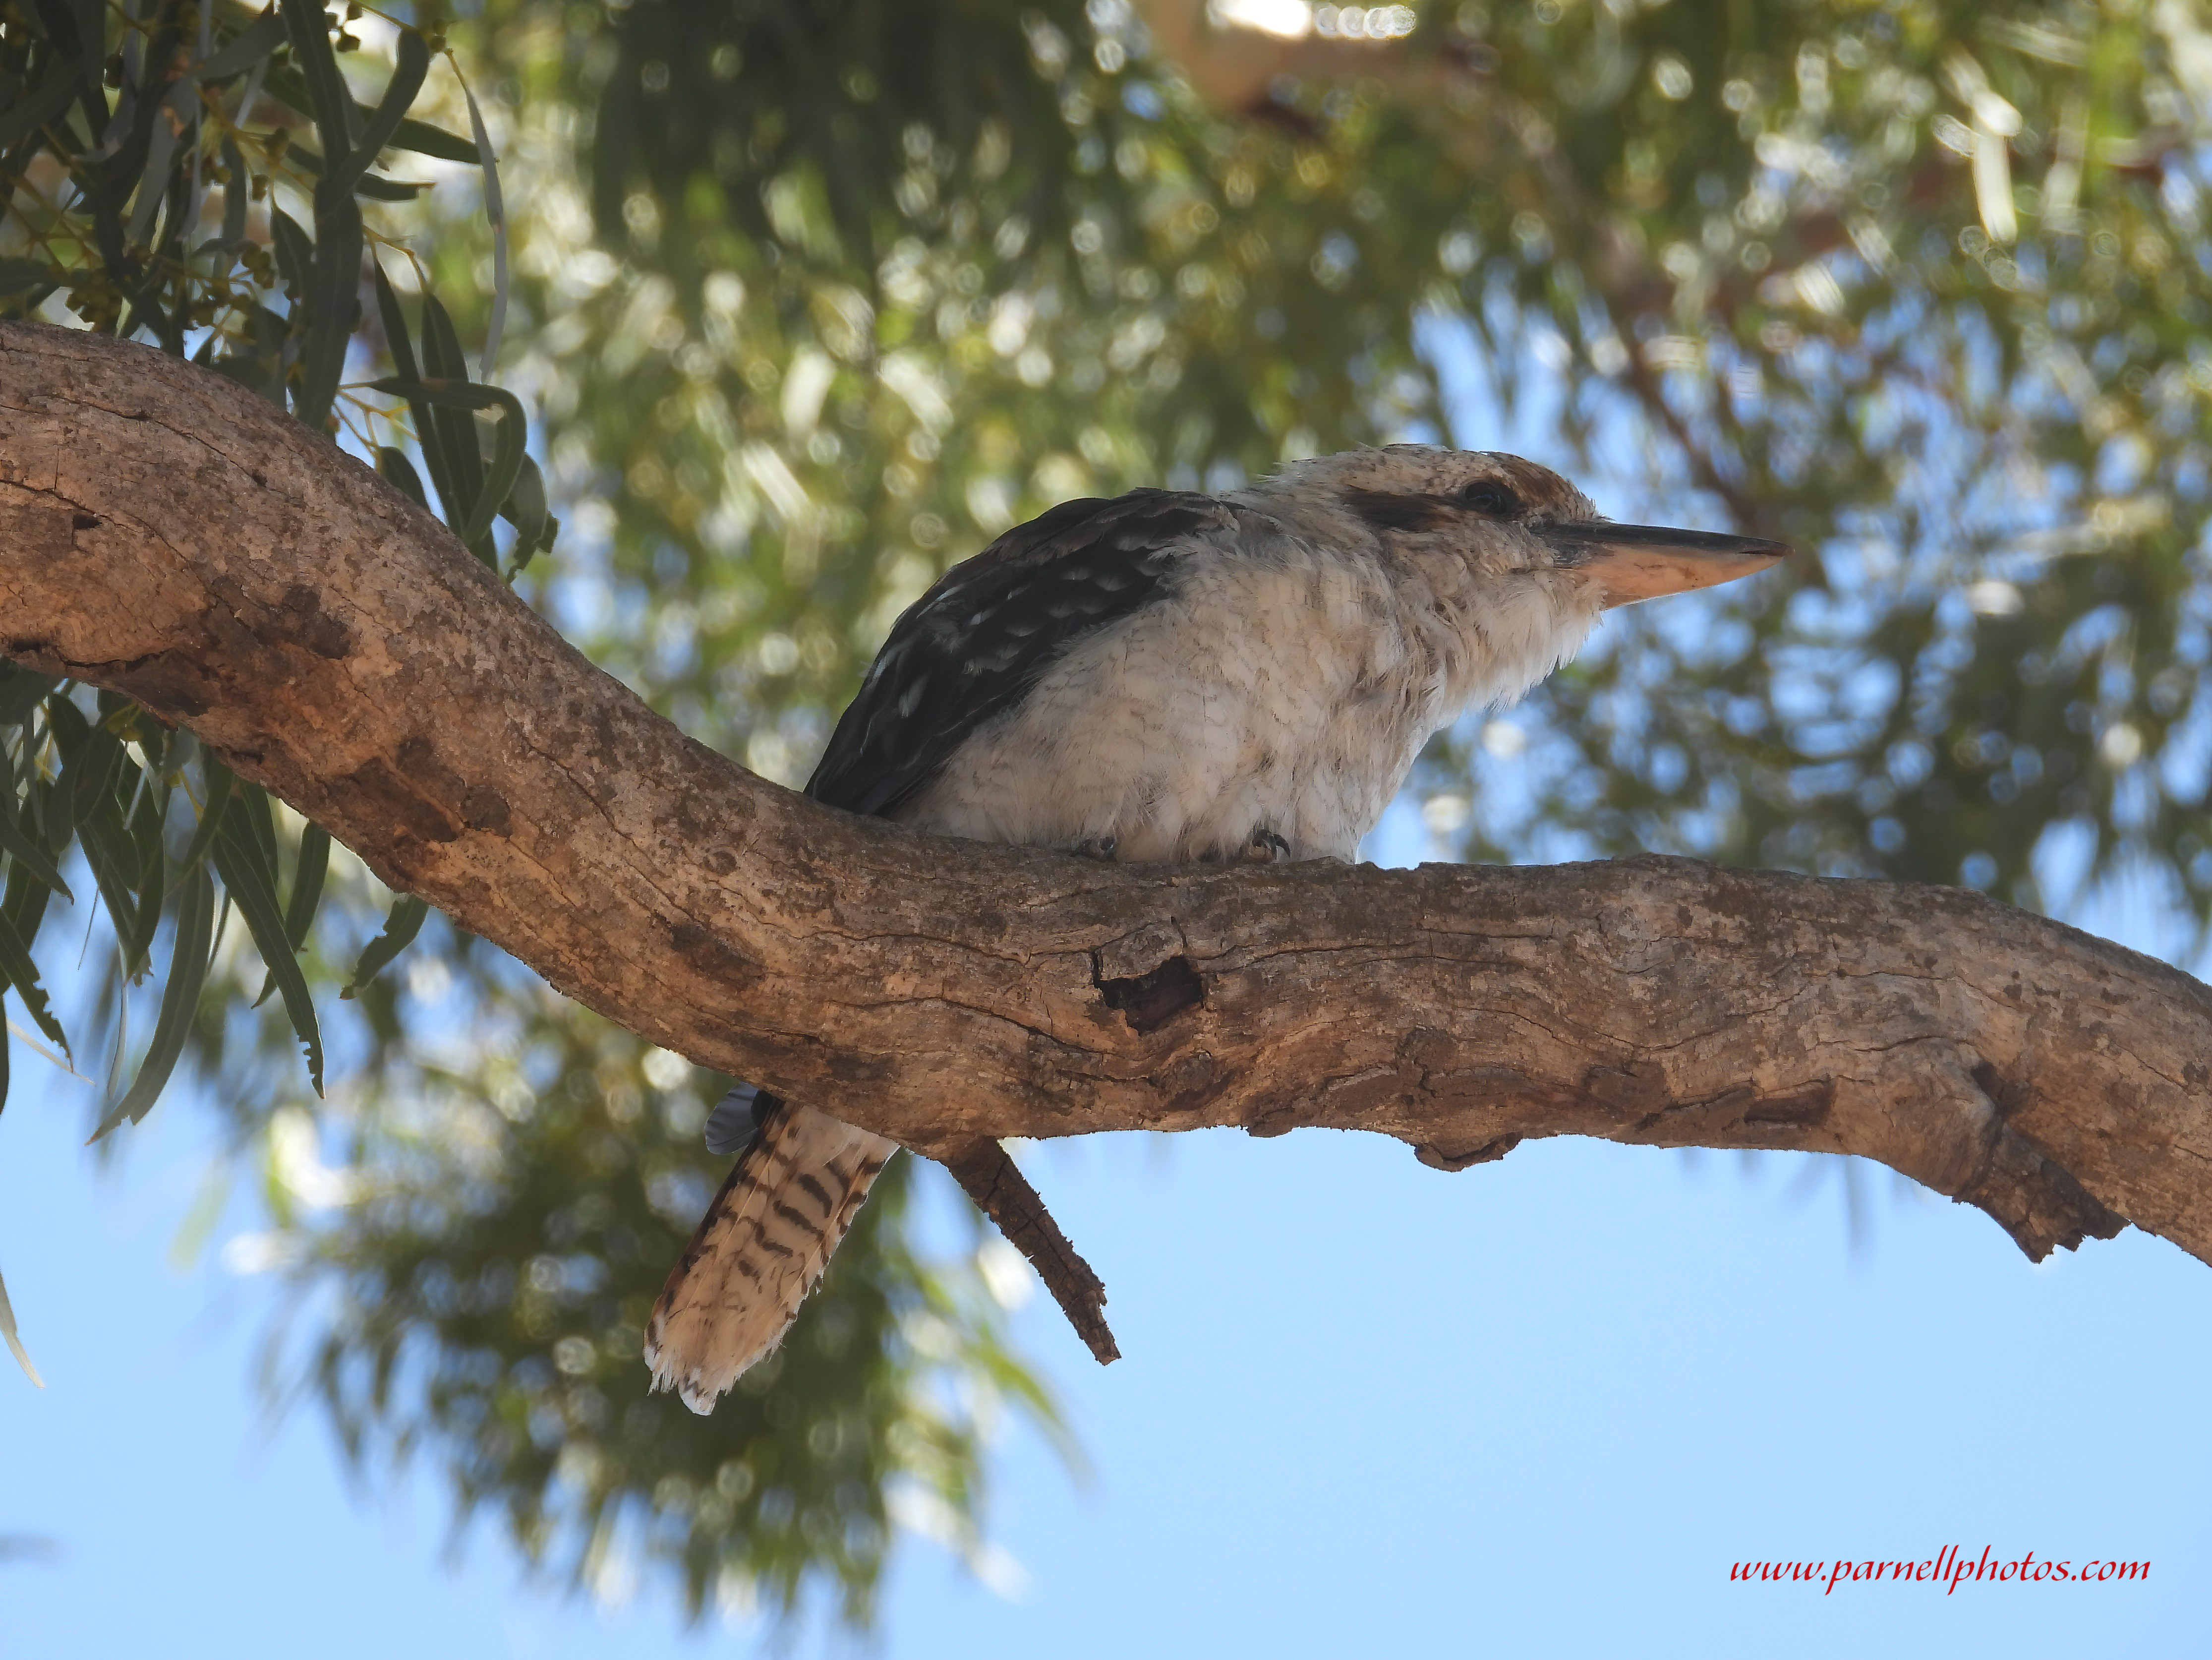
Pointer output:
1170, 676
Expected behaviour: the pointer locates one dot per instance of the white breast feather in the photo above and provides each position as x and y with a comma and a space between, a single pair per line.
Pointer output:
1279, 688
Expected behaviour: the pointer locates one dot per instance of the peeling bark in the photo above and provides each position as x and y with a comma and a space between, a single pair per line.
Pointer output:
164, 532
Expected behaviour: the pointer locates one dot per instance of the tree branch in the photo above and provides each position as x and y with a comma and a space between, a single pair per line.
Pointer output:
164, 532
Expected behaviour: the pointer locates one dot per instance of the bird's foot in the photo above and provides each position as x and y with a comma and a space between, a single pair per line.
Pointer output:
1101, 847
1266, 848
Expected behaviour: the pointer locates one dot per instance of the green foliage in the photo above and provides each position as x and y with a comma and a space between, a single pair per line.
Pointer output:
106, 205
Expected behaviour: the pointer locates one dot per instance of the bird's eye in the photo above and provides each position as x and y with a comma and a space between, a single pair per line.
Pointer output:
1493, 499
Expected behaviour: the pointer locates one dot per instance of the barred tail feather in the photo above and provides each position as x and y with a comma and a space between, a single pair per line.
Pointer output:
760, 1248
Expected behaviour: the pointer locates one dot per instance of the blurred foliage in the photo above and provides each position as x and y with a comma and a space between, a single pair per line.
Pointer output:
813, 298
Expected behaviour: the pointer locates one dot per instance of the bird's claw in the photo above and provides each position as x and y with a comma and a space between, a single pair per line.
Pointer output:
1266, 848
1101, 847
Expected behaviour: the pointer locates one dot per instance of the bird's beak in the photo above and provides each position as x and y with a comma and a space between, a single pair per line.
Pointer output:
1642, 561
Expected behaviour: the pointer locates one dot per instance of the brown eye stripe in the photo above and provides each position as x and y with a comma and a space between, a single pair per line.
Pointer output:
1399, 510
1409, 510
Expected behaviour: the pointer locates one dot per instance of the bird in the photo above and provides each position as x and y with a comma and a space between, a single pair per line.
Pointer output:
1168, 675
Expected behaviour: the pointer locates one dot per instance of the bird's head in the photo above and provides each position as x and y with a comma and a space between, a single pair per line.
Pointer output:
1506, 517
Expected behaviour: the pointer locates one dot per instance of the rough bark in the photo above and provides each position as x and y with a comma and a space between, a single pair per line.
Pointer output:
163, 532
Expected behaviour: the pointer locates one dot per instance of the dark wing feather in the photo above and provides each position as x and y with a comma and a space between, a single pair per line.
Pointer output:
970, 648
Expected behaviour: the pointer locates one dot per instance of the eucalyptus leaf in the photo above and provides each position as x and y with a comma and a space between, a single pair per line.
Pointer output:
78, 28
253, 809
23, 907
21, 691
243, 51
335, 115
507, 442
496, 215
397, 470
249, 878
374, 186
217, 781
310, 869
145, 823
93, 755
332, 302
444, 402
453, 426
260, 363
397, 339
411, 64
28, 856
295, 250
427, 429
154, 178
524, 508
17, 970
42, 106
180, 996
505, 467
400, 928
108, 848
15, 1343
237, 193
17, 275
418, 137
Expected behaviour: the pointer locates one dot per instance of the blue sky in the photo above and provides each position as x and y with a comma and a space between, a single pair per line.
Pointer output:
1539, 1407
